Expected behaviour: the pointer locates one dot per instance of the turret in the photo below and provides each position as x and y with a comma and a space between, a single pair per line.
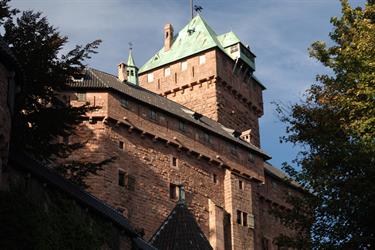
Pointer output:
131, 70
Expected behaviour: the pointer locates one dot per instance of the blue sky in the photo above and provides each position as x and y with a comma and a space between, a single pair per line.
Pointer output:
278, 32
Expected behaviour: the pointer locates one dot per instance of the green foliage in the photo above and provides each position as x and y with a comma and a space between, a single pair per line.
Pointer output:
42, 118
55, 223
336, 126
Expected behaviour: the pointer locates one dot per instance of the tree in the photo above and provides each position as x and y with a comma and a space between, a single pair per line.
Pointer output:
41, 116
335, 124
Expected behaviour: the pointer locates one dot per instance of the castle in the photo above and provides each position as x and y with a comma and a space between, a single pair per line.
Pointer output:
187, 120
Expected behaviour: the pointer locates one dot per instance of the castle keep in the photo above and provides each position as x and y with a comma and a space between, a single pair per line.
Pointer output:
189, 121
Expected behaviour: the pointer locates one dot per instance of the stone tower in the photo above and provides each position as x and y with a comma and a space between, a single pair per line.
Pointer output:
210, 74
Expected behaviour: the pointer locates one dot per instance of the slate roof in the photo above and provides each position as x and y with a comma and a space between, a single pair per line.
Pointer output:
25, 162
180, 231
274, 171
94, 79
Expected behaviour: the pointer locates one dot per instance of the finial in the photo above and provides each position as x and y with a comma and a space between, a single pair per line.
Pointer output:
181, 196
130, 46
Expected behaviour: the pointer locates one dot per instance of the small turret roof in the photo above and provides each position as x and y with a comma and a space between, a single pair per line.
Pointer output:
180, 231
195, 37
131, 62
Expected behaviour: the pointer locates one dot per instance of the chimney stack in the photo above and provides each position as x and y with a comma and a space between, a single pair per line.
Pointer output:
122, 72
168, 36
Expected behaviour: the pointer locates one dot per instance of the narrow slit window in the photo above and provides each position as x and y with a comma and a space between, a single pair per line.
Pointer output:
121, 145
239, 219
240, 185
121, 178
214, 178
244, 219
174, 162
173, 189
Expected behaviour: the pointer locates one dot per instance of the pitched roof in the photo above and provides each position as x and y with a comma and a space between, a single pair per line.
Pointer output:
180, 231
131, 60
23, 161
97, 79
195, 37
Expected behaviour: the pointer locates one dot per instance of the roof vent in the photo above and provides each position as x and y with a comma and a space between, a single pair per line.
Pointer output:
77, 78
246, 136
197, 116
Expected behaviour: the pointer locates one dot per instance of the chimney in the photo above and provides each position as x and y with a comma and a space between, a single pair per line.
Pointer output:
122, 74
168, 36
246, 136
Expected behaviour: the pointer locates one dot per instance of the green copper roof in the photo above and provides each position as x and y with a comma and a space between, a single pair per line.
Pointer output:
228, 39
130, 59
195, 37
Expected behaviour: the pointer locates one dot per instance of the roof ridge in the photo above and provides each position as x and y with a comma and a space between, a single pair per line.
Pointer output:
99, 78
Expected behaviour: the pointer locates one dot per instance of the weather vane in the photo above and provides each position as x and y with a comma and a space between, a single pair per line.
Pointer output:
130, 45
196, 8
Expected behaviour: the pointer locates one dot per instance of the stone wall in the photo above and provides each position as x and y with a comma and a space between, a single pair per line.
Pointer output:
215, 88
153, 153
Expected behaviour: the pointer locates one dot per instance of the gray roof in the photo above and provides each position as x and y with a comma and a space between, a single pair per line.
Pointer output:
274, 171
180, 231
94, 79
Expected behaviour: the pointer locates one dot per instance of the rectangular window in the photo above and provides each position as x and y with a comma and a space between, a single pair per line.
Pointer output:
214, 178
121, 178
167, 72
174, 162
173, 191
251, 157
131, 183
265, 244
182, 126
124, 102
239, 217
244, 219
251, 221
202, 59
175, 77
192, 71
183, 65
234, 150
240, 185
121, 145
150, 77
81, 97
153, 115
206, 138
